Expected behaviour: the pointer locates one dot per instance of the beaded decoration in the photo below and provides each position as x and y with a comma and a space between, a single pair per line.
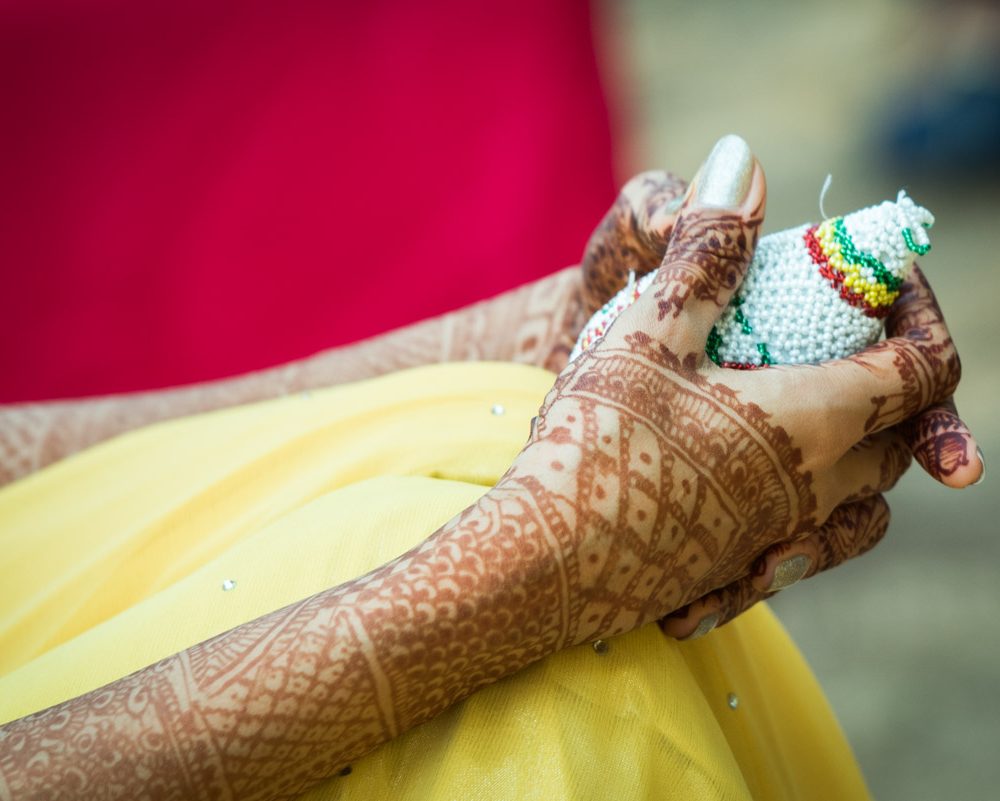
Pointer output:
812, 293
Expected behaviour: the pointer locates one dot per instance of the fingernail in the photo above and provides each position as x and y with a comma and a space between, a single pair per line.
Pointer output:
705, 625
789, 571
982, 461
724, 178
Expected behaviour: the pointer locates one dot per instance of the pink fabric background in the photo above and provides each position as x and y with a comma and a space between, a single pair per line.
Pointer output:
196, 189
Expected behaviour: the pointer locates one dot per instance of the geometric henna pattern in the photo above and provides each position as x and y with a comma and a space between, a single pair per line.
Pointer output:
274, 706
645, 484
676, 484
851, 530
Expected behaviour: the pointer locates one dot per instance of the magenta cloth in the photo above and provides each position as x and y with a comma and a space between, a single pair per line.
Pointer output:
196, 189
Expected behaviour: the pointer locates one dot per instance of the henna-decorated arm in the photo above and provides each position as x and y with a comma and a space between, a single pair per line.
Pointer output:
601, 525
273, 706
533, 324
651, 478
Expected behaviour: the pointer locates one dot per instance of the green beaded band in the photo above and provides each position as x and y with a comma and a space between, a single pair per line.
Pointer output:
851, 254
920, 250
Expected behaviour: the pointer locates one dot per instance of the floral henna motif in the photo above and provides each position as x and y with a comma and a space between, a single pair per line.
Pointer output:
939, 440
632, 237
707, 258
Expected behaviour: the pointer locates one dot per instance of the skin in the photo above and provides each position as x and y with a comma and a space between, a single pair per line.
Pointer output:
636, 232
651, 480
534, 324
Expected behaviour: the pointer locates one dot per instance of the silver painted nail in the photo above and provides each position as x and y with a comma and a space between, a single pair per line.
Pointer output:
724, 179
789, 572
705, 625
982, 461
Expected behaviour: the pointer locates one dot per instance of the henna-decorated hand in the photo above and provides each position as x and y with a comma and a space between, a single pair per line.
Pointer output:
632, 237
680, 478
936, 436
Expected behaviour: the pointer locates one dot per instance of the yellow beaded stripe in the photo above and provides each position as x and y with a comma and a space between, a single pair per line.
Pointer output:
858, 277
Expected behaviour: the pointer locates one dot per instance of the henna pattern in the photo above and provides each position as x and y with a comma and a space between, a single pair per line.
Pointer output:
676, 483
707, 258
632, 236
534, 324
647, 482
275, 705
895, 460
928, 365
852, 530
939, 440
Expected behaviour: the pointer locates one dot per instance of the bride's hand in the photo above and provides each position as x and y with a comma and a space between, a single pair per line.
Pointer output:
672, 476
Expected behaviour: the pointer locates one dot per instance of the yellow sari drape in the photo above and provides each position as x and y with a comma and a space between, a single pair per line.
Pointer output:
163, 537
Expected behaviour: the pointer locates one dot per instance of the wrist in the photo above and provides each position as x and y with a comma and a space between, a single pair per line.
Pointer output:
619, 549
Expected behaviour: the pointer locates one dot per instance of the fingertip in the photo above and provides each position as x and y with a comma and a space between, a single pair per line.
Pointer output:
711, 247
969, 473
950, 454
694, 620
783, 566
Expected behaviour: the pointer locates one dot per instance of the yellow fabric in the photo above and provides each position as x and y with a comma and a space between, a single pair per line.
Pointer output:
117, 557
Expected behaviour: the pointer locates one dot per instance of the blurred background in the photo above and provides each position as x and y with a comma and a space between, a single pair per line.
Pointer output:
196, 189
883, 94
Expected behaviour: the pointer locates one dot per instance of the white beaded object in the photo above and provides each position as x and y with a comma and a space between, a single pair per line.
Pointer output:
812, 293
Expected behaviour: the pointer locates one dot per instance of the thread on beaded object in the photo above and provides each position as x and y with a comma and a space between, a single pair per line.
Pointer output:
822, 194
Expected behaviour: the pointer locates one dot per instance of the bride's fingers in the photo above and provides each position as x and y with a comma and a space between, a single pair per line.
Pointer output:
943, 445
882, 385
871, 467
632, 237
850, 531
709, 252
